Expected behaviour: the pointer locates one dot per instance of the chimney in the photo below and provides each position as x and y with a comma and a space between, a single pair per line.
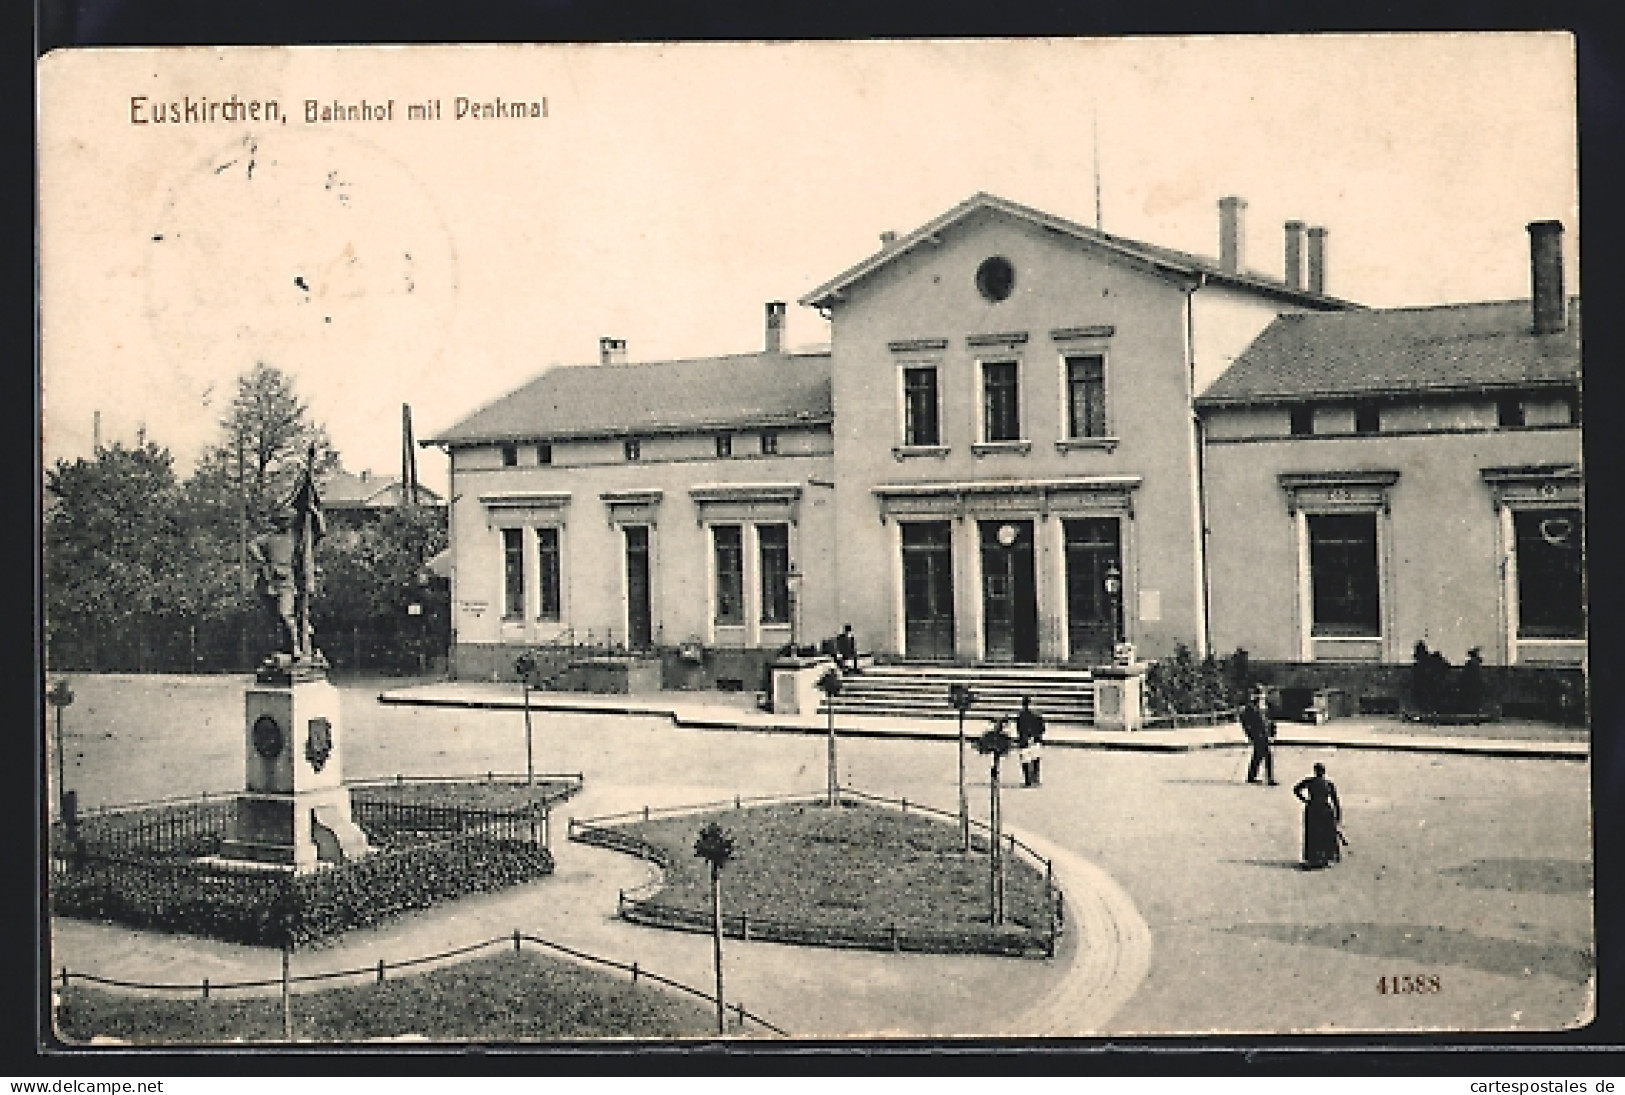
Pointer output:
1294, 254
1317, 259
775, 326
612, 351
1231, 234
1546, 269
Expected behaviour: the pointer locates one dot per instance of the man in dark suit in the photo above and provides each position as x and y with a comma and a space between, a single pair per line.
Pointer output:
1260, 730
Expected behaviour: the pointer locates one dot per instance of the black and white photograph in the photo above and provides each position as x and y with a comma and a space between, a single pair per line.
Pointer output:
1000, 541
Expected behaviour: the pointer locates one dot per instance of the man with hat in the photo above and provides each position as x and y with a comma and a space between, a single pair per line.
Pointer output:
1260, 730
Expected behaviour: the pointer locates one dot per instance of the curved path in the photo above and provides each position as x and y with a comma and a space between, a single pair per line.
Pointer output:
1112, 951
1104, 955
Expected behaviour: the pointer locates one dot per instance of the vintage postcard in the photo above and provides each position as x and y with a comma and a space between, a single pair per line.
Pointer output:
1000, 539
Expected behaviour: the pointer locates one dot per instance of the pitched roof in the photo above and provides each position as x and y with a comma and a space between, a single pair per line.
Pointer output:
345, 490
1161, 259
741, 390
1452, 347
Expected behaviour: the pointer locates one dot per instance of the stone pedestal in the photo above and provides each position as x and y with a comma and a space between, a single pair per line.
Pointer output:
1120, 696
294, 811
795, 685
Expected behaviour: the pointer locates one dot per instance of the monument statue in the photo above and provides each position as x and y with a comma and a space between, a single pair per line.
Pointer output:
286, 557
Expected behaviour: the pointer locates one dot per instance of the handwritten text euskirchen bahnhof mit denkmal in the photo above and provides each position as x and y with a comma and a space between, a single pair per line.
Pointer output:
204, 110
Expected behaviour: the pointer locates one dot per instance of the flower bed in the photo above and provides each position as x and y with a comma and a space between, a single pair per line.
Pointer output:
854, 876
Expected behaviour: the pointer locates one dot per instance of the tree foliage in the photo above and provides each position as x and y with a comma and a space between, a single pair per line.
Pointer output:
143, 570
113, 544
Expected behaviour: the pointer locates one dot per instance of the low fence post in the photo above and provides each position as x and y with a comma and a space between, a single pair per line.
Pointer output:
205, 988
736, 802
516, 947
64, 976
646, 813
380, 971
634, 973
744, 926
894, 937
740, 1008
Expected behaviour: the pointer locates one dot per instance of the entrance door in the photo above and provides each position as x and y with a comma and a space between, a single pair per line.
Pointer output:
1009, 592
928, 591
1092, 547
639, 615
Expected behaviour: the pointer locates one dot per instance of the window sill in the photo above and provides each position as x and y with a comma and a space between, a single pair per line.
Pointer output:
904, 452
994, 448
1103, 444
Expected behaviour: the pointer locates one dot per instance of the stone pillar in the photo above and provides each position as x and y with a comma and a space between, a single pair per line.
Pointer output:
1120, 696
294, 810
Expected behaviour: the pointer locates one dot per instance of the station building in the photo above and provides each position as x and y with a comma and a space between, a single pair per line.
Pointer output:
1029, 438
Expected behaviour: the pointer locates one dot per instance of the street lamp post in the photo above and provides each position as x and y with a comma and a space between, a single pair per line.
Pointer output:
1114, 595
525, 665
60, 696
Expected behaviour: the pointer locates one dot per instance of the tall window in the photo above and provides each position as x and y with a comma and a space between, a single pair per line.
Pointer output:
920, 426
513, 574
770, 442
1551, 591
510, 456
1001, 408
1367, 418
632, 449
1302, 420
547, 552
1086, 396
774, 541
1508, 411
730, 564
1343, 574
544, 454
725, 445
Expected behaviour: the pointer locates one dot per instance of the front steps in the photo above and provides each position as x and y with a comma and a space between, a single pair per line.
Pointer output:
1059, 694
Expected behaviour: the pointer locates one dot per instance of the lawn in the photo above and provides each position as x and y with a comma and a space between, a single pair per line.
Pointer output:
854, 865
508, 998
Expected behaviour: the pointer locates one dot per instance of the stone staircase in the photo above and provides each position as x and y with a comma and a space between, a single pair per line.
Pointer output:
1061, 695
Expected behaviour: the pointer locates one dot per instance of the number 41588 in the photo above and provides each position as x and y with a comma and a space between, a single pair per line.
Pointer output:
1409, 983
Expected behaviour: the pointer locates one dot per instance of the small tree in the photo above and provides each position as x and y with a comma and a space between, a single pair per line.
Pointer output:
716, 847
996, 743
962, 699
60, 696
829, 683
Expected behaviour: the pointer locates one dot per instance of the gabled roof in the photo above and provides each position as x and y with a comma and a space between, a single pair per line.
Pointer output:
581, 401
1164, 260
344, 490
1400, 351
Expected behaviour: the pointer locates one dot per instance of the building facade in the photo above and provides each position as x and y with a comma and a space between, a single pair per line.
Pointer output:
1382, 478
1030, 439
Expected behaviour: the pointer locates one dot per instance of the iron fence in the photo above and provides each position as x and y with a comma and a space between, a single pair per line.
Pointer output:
379, 973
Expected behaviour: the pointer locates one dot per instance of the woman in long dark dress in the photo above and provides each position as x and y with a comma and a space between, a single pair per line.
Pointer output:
1321, 813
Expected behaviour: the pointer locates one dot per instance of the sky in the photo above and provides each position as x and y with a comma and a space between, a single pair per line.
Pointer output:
672, 190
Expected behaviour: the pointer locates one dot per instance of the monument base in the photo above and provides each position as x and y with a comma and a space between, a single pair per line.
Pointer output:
294, 812
302, 831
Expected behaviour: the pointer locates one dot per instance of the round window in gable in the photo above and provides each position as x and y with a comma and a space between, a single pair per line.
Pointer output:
995, 278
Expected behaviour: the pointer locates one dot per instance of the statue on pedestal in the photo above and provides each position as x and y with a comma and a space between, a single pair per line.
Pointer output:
287, 578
